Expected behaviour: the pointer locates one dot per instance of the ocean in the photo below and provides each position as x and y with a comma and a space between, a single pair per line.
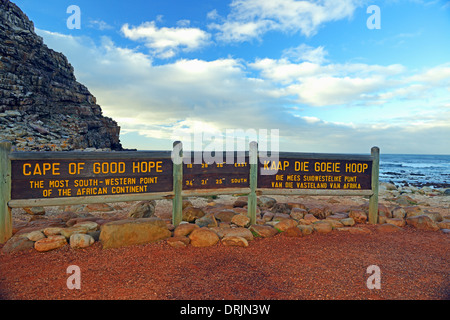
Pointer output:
416, 170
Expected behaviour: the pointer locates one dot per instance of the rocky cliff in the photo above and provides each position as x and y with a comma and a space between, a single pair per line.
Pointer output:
42, 106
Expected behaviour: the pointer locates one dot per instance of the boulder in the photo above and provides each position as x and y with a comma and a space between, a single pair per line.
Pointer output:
413, 211
422, 222
359, 216
236, 232
285, 224
191, 213
240, 220
305, 229
79, 240
298, 213
293, 232
225, 215
398, 212
267, 216
67, 232
310, 217
435, 216
281, 208
35, 210
17, 243
322, 227
267, 202
184, 229
203, 237
233, 241
88, 225
206, 221
52, 231
142, 209
133, 231
396, 222
263, 231
35, 235
334, 223
178, 241
384, 211
50, 243
320, 213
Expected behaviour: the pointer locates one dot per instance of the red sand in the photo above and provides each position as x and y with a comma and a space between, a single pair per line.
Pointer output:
414, 265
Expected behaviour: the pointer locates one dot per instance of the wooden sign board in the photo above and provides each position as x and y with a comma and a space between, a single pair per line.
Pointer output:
216, 175
60, 178
307, 173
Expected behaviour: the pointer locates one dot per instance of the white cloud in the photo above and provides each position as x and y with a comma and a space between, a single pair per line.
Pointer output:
250, 19
165, 42
157, 100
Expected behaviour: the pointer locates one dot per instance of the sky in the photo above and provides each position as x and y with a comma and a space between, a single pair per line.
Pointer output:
312, 76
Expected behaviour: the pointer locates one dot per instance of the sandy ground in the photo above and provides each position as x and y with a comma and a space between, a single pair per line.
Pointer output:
413, 264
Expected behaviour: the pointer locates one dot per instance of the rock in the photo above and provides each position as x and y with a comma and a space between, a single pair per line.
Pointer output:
186, 203
298, 213
293, 232
98, 207
413, 211
50, 243
236, 232
35, 235
405, 200
310, 217
178, 241
281, 216
422, 222
322, 227
398, 212
240, 220
240, 203
67, 232
305, 229
293, 205
446, 231
225, 215
142, 209
435, 216
44, 107
337, 216
334, 223
133, 231
447, 192
203, 237
347, 222
206, 221
191, 213
17, 243
35, 210
320, 213
78, 240
267, 202
263, 231
384, 211
95, 235
88, 225
444, 224
232, 241
184, 229
53, 231
388, 186
358, 215
286, 224
281, 208
396, 222
387, 227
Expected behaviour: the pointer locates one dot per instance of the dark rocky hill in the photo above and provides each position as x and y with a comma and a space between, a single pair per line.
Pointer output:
42, 106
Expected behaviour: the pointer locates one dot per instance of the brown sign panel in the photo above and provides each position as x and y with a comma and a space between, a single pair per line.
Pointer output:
216, 175
288, 173
51, 178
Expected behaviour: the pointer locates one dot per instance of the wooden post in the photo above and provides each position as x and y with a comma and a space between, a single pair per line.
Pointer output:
373, 201
252, 201
5, 192
177, 201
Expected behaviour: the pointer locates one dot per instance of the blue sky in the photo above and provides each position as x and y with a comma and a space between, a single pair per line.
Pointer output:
311, 69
